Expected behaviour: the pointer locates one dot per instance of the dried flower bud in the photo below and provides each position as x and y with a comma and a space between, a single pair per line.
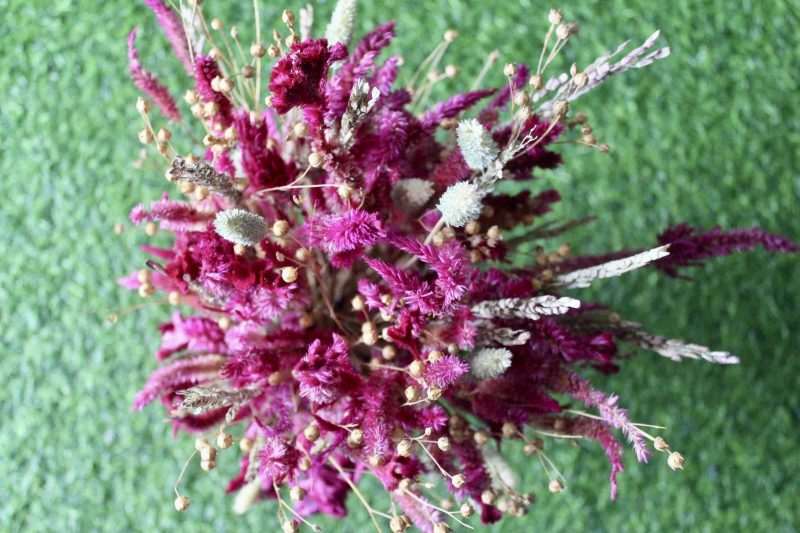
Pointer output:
145, 136
181, 503
174, 298
510, 430
675, 461
509, 70
555, 486
555, 17
443, 443
240, 227
224, 323
287, 17
435, 355
248, 72
304, 464
208, 465
208, 453
450, 36
416, 368
289, 274
297, 493
146, 290
257, 50
481, 437
280, 228
389, 352
224, 440
660, 444
472, 228
290, 526
246, 444
311, 432
459, 480
467, 510
143, 106
451, 71
580, 79
398, 524
315, 159
522, 99
441, 527
560, 109
412, 393
405, 447
488, 496
536, 82
226, 85
355, 438
434, 392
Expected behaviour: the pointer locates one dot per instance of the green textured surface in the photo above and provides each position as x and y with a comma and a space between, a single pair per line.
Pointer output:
711, 135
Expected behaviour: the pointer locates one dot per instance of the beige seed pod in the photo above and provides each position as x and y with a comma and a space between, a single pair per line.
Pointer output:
297, 493
467, 510
181, 503
315, 159
405, 448
416, 368
555, 486
224, 440
289, 274
459, 480
675, 461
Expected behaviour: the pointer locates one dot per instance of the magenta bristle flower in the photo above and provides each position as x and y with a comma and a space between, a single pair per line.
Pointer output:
357, 293
148, 83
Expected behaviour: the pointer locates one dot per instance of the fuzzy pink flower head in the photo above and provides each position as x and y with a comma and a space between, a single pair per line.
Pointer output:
277, 459
323, 373
299, 78
346, 232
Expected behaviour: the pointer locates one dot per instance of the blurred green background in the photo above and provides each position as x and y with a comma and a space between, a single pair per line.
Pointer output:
709, 136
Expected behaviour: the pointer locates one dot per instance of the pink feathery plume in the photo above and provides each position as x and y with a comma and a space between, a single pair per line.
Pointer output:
688, 245
172, 214
172, 26
610, 412
361, 61
452, 107
148, 83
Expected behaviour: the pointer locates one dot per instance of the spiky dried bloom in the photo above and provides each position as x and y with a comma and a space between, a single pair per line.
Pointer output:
343, 20
490, 363
240, 226
477, 146
460, 203
369, 331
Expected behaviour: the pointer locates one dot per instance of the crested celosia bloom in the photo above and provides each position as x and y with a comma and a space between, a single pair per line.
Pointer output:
345, 302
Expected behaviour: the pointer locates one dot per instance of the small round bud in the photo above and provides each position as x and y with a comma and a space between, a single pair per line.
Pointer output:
246, 444
404, 484
145, 136
201, 444
560, 108
297, 493
273, 51
459, 480
510, 430
292, 40
555, 17
675, 461
441, 527
301, 255
589, 139
224, 440
451, 71
522, 99
239, 249
398, 524
146, 290
434, 356
377, 461
405, 447
181, 503
191, 97
150, 229
536, 82
208, 465
450, 36
226, 85
467, 510
472, 228
304, 464
163, 135
143, 106
248, 71
397, 434
280, 228
481, 437
289, 274
306, 320
494, 233
529, 449
344, 192
315, 159
224, 323
257, 50
555, 486
488, 496
580, 79
290, 526
209, 453
300, 129
287, 17
311, 432
356, 438
216, 24
412, 393
443, 443
434, 392
416, 368
144, 275
660, 444
174, 298
509, 70
475, 255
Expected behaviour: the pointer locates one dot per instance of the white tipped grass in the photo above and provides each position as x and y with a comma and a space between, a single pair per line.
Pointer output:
343, 19
240, 227
490, 363
585, 277
477, 146
531, 308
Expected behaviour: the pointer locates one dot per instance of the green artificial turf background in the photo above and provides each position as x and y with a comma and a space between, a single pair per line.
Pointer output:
710, 136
